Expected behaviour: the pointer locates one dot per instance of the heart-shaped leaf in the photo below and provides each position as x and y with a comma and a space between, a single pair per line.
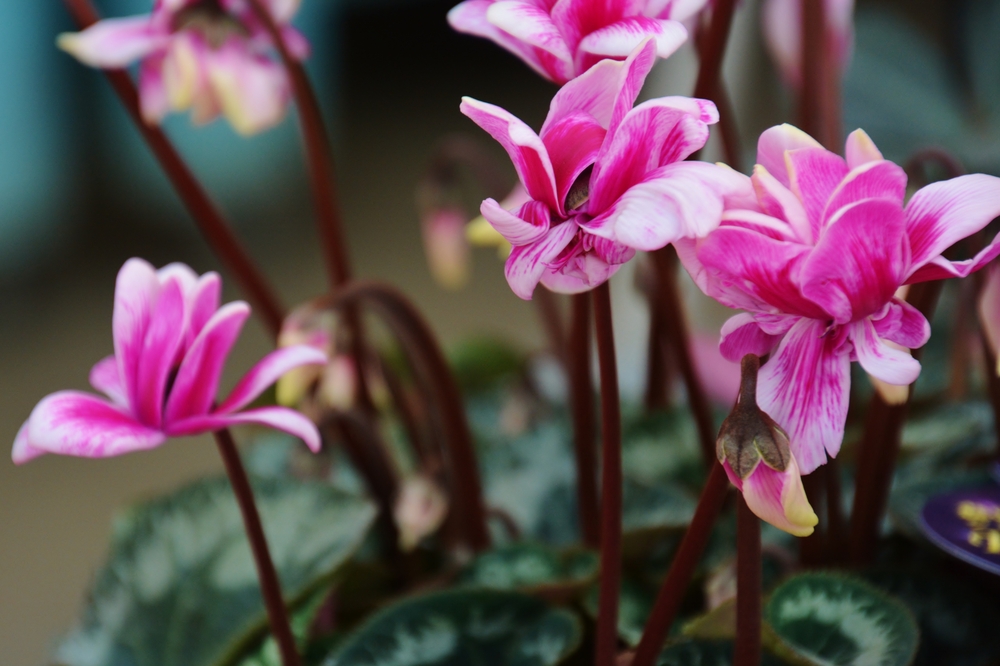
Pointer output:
180, 587
533, 568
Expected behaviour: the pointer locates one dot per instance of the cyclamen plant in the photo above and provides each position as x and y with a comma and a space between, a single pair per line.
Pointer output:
827, 258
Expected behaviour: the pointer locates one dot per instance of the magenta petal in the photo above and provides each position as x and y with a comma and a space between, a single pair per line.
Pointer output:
197, 381
814, 174
114, 43
860, 149
526, 150
250, 90
527, 263
859, 261
621, 38
164, 336
269, 370
515, 230
778, 201
943, 213
106, 378
153, 98
79, 424
531, 24
873, 180
204, 303
742, 335
279, 418
572, 144
903, 324
805, 386
576, 18
23, 451
775, 142
136, 291
892, 366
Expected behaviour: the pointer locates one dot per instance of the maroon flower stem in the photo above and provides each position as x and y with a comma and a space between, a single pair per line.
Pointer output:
879, 449
675, 328
407, 414
813, 51
748, 587
581, 400
213, 225
552, 321
270, 587
427, 359
657, 360
674, 587
611, 483
713, 49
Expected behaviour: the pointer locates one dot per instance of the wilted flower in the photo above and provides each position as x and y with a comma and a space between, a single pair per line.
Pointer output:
561, 39
210, 56
814, 249
782, 21
755, 453
171, 341
605, 179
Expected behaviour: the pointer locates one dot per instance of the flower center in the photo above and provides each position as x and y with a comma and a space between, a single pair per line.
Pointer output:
210, 19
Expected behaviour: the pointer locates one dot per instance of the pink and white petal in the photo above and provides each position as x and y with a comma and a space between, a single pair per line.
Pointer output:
676, 201
678, 10
194, 390
106, 377
722, 290
775, 142
609, 251
903, 324
654, 134
940, 268
204, 302
859, 261
621, 38
164, 336
576, 18
582, 273
137, 290
78, 424
114, 43
515, 230
814, 174
572, 144
943, 213
527, 263
269, 370
860, 149
873, 180
296, 43
742, 335
989, 310
530, 24
154, 102
760, 223
23, 451
184, 274
778, 201
780, 499
525, 148
880, 360
252, 92
279, 418
805, 387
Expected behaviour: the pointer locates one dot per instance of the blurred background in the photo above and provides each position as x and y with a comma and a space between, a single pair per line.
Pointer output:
79, 194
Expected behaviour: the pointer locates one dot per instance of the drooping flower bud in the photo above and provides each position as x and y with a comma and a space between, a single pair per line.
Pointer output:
755, 453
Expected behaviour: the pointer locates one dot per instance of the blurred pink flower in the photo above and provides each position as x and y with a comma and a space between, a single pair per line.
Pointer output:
782, 22
446, 245
171, 340
561, 39
814, 250
210, 56
605, 179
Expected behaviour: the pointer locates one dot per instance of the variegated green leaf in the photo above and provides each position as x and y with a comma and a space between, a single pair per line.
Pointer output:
531, 567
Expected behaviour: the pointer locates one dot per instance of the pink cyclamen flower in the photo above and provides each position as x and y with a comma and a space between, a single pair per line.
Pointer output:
782, 22
171, 340
210, 56
814, 250
605, 179
561, 39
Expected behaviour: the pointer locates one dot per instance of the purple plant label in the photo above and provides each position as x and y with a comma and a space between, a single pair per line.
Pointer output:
966, 524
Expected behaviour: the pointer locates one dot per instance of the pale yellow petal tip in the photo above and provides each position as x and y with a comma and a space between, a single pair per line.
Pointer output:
801, 518
70, 43
892, 394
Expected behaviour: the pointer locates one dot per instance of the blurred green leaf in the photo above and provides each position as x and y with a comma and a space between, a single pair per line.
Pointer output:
532, 567
706, 653
479, 363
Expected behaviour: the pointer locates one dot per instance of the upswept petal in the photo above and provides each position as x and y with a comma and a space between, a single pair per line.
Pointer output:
858, 263
197, 381
530, 24
577, 18
527, 263
892, 366
619, 39
279, 418
114, 43
675, 201
872, 180
252, 91
137, 289
23, 451
267, 371
106, 378
78, 424
943, 213
205, 299
805, 387
779, 498
678, 10
814, 174
778, 201
154, 102
654, 134
164, 336
774, 142
186, 278
572, 144
742, 335
762, 267
525, 148
903, 324
860, 149
514, 229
